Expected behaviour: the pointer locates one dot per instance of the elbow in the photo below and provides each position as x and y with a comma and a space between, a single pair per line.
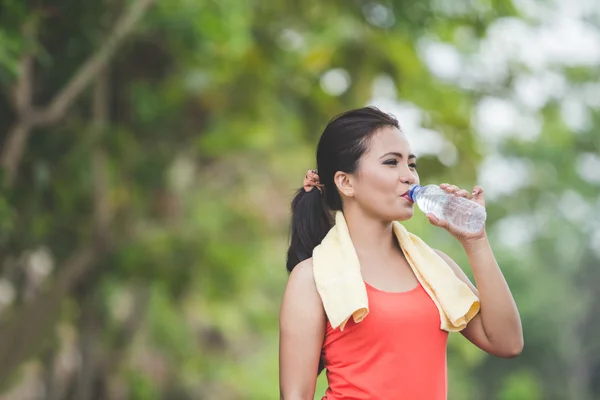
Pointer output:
511, 351
517, 350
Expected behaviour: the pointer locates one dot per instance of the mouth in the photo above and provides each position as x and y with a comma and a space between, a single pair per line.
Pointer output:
406, 196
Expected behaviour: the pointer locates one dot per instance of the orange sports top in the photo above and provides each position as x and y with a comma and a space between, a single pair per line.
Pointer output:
397, 352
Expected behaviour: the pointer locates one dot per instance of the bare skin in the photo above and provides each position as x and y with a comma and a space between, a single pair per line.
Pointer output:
301, 334
372, 199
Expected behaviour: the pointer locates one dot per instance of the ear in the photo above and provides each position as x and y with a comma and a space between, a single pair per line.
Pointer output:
344, 183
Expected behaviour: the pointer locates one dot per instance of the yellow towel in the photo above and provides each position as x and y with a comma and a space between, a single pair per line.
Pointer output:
343, 292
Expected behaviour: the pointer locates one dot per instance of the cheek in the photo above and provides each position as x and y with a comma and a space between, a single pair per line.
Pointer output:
379, 180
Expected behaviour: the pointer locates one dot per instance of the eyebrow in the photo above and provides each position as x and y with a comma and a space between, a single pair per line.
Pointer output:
399, 155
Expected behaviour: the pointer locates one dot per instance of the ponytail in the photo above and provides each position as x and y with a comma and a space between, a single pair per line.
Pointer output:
310, 224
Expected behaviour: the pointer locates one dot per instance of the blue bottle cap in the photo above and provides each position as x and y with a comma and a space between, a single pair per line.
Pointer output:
411, 191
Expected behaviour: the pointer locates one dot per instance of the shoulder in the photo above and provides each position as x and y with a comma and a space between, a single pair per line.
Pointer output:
303, 271
301, 281
460, 274
301, 298
451, 263
446, 258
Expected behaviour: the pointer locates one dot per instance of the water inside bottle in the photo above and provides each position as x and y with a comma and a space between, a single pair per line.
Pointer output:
458, 211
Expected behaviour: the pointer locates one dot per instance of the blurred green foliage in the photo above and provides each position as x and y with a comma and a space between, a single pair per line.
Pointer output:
152, 216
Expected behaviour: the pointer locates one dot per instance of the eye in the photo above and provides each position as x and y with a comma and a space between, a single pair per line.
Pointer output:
391, 162
413, 165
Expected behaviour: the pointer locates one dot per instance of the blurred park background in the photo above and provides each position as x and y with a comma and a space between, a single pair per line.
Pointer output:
150, 150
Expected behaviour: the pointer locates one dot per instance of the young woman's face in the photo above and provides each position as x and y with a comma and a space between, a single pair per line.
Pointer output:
384, 175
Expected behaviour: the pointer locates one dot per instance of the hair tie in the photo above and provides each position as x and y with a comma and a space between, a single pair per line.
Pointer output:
311, 180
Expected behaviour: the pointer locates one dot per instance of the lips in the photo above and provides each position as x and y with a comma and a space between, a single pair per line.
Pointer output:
406, 196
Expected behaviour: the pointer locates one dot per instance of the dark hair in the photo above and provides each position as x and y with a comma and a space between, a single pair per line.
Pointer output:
342, 144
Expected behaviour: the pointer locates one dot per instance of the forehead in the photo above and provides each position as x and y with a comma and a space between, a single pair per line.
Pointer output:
389, 139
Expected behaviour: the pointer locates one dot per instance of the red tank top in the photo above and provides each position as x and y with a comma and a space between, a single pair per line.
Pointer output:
397, 352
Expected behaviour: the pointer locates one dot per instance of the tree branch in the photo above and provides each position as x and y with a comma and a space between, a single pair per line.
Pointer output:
29, 118
22, 99
22, 336
102, 209
94, 65
22, 92
12, 151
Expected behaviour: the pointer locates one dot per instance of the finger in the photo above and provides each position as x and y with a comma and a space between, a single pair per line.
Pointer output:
433, 219
451, 189
463, 193
436, 221
478, 192
478, 196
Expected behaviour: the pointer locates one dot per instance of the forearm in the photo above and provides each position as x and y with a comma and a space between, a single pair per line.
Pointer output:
499, 314
297, 392
295, 397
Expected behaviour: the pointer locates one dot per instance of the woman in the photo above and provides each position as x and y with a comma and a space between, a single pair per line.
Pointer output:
365, 165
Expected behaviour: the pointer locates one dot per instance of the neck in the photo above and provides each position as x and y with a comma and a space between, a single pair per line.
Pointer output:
371, 238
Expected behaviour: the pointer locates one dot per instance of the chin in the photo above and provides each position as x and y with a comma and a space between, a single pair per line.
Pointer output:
403, 215
390, 212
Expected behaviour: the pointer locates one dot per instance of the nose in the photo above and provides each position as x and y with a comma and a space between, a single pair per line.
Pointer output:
408, 179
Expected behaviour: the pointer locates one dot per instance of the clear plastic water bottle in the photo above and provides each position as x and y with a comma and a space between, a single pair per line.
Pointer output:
463, 213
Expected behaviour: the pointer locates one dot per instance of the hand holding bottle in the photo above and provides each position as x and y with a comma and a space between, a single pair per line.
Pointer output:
464, 220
